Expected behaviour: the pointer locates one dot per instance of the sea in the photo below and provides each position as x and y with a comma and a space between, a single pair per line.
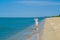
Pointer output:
11, 26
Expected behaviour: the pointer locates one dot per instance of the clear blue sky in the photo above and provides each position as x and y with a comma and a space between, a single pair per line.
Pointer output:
29, 8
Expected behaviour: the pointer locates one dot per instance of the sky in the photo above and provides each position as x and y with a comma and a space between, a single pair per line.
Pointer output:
29, 8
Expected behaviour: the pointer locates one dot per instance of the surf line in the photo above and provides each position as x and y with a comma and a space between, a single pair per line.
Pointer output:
37, 29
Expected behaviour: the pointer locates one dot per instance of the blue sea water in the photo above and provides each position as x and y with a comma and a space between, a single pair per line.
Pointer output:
10, 26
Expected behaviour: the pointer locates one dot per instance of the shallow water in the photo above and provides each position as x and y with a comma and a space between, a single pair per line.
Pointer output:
11, 27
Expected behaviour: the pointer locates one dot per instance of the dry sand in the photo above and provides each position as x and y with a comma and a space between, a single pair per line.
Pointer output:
51, 29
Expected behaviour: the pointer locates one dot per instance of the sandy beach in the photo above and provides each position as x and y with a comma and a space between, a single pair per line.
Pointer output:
51, 29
